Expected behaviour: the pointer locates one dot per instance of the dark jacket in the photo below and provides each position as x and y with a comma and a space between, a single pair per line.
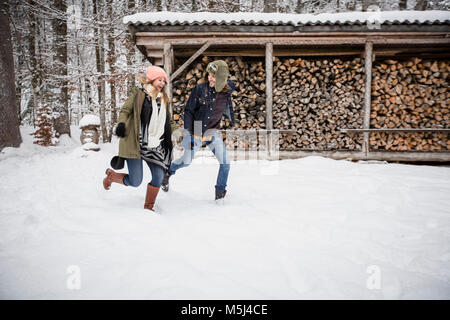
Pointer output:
200, 104
130, 114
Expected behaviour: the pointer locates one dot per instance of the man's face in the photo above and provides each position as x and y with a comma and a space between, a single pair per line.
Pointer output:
212, 80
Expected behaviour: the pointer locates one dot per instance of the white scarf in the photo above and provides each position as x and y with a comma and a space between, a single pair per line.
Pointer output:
157, 120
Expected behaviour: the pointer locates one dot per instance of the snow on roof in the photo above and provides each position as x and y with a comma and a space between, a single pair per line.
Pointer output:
259, 18
89, 120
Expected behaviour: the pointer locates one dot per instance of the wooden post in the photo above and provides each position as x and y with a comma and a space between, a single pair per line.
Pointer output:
269, 97
172, 58
368, 89
168, 68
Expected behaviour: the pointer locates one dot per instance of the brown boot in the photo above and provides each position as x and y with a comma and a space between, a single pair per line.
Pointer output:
112, 176
150, 197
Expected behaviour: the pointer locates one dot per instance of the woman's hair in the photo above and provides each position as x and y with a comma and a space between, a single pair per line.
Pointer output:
142, 79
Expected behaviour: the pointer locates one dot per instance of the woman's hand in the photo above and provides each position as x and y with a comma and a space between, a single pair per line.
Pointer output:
120, 130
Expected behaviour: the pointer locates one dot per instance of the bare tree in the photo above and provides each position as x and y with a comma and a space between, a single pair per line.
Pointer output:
367, 3
112, 61
270, 5
33, 63
194, 6
402, 4
131, 51
421, 5
100, 58
9, 121
158, 5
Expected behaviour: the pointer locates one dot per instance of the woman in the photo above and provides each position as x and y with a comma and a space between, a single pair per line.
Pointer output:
145, 131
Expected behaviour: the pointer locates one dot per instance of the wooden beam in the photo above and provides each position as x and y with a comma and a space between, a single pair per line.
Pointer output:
158, 53
168, 68
276, 53
256, 41
189, 61
402, 156
287, 34
361, 40
317, 51
367, 94
394, 130
406, 156
150, 41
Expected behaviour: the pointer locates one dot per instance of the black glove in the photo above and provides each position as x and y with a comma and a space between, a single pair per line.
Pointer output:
120, 130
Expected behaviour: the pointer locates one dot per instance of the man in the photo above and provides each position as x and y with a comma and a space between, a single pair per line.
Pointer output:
205, 107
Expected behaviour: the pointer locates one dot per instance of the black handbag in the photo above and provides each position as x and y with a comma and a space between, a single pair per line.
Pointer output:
117, 163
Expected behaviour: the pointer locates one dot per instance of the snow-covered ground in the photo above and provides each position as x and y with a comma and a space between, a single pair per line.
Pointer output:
314, 228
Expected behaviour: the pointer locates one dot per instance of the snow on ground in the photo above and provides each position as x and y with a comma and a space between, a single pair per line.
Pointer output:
317, 228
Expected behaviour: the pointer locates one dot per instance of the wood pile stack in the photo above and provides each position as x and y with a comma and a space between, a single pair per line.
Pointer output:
410, 94
249, 97
317, 97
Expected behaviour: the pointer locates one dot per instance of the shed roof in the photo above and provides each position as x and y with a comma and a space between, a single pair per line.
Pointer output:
266, 19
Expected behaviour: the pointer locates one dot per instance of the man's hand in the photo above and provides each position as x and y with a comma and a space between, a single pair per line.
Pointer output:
188, 142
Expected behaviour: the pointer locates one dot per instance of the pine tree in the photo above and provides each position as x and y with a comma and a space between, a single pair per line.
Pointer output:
44, 135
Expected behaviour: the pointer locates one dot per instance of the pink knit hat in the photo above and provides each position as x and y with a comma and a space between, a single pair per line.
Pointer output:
154, 72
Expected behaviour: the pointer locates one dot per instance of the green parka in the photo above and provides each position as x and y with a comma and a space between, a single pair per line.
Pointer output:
130, 114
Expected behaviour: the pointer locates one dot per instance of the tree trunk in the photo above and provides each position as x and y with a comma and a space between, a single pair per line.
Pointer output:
87, 91
368, 4
112, 62
421, 5
80, 86
17, 47
131, 52
33, 63
100, 57
61, 105
9, 121
158, 5
270, 5
299, 7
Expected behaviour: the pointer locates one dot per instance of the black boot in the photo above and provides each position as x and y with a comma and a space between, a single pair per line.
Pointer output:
220, 194
165, 181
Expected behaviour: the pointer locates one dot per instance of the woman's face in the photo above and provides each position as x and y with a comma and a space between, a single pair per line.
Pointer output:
159, 83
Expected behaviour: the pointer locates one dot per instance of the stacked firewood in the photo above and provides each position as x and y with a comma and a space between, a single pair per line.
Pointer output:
249, 97
313, 99
316, 98
410, 94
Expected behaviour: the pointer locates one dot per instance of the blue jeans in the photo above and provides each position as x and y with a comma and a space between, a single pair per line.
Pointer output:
134, 177
218, 149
